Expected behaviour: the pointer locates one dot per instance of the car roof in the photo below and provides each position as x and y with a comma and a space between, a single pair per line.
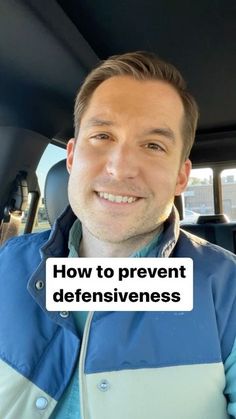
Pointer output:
47, 48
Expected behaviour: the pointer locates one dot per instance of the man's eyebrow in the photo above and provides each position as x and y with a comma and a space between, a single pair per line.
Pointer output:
97, 122
164, 132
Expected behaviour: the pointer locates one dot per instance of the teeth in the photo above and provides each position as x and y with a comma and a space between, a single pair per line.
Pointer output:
117, 198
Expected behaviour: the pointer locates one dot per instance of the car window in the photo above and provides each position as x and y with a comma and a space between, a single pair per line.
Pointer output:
228, 185
199, 198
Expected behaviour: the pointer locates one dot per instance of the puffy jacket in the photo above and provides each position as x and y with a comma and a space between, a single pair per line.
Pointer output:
133, 365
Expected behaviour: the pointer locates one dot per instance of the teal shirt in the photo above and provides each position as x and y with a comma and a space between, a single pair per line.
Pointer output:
69, 405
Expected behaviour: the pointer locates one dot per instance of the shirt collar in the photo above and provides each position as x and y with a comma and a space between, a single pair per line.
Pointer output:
75, 236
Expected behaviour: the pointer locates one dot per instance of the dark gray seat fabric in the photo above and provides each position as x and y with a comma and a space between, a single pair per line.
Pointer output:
56, 199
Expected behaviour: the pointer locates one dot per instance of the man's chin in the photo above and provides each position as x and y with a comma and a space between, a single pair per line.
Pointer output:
116, 236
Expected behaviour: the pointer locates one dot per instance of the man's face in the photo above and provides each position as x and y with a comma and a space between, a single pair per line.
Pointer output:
125, 167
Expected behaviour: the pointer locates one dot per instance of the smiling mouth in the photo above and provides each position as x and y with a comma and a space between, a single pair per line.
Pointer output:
117, 198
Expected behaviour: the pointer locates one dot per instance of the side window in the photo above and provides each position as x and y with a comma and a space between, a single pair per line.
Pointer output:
228, 185
199, 198
51, 155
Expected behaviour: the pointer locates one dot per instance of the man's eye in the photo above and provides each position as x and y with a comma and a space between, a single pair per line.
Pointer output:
154, 146
100, 137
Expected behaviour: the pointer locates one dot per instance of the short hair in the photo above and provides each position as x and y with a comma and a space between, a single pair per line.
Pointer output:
140, 65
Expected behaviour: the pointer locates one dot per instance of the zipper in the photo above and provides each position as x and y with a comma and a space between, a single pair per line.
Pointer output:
82, 382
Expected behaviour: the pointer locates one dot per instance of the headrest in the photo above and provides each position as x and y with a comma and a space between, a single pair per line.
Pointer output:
179, 205
213, 219
55, 191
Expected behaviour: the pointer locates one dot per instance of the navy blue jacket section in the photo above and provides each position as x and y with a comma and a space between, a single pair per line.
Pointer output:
35, 342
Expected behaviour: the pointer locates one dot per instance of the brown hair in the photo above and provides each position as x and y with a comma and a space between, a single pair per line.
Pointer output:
141, 66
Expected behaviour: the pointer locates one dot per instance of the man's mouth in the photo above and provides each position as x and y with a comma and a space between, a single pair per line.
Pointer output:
117, 198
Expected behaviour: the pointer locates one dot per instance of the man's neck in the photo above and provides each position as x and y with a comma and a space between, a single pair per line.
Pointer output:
91, 246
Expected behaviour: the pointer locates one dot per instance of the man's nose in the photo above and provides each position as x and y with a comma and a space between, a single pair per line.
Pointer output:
122, 163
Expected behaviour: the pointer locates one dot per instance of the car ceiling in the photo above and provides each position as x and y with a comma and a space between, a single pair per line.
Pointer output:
47, 48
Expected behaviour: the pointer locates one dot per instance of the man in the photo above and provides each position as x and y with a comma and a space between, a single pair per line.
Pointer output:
134, 127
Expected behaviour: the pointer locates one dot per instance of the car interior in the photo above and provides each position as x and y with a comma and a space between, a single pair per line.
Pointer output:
47, 49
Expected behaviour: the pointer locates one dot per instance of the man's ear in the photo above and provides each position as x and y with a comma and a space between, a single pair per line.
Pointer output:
70, 154
183, 177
